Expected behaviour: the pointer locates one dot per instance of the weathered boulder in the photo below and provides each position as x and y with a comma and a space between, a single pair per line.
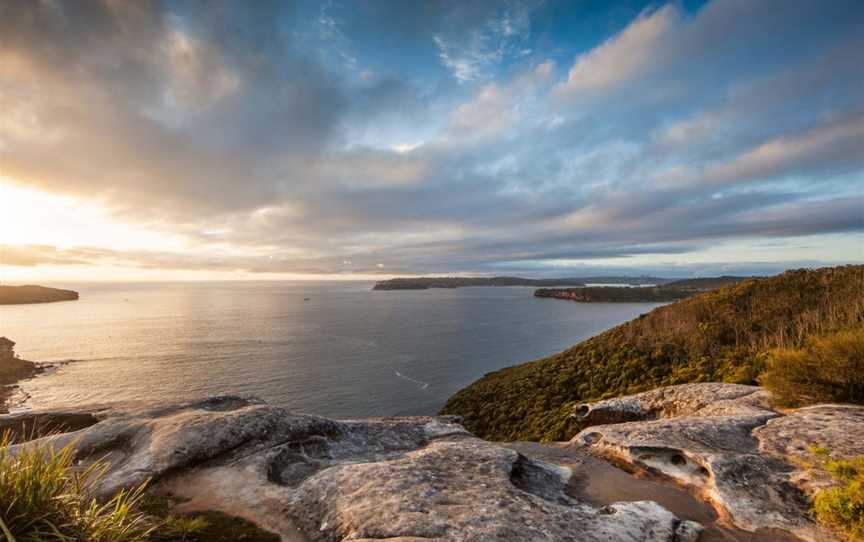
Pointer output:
726, 444
311, 478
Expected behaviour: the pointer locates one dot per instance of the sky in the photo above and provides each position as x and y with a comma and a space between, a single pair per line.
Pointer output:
348, 139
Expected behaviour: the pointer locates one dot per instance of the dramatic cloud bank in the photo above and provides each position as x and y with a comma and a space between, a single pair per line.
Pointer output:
403, 137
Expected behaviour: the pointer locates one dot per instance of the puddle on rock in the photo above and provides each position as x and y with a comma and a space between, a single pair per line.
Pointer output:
601, 483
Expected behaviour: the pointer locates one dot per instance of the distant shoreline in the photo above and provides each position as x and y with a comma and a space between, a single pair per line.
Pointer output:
672, 291
425, 283
24, 295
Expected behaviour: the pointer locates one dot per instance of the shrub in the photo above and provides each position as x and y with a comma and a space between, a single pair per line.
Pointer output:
842, 507
826, 369
44, 497
718, 336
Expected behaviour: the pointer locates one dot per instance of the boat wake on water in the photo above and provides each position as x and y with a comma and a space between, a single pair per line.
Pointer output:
423, 385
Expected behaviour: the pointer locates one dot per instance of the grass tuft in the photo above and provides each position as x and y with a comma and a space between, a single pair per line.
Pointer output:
45, 497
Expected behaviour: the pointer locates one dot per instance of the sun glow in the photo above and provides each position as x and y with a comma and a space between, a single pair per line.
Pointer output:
36, 217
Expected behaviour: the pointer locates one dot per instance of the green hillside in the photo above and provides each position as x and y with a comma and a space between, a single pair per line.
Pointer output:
722, 335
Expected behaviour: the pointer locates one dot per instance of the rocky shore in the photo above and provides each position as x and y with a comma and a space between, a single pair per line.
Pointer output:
12, 369
426, 478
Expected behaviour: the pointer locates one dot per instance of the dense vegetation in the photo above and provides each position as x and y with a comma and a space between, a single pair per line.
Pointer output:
46, 497
722, 335
614, 294
424, 283
842, 507
826, 369
704, 284
19, 295
672, 291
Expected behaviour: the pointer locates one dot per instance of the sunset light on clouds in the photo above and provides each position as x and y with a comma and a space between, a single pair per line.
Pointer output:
149, 140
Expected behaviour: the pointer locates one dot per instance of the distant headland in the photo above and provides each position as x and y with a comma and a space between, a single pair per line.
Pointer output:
424, 283
20, 295
671, 291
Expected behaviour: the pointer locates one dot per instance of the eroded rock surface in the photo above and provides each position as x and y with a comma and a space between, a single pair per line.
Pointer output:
727, 445
311, 478
706, 399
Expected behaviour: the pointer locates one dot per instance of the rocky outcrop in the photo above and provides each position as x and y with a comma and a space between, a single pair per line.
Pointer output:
12, 369
425, 478
311, 478
728, 446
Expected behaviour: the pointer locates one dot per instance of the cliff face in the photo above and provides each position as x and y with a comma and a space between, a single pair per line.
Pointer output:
715, 336
19, 295
308, 478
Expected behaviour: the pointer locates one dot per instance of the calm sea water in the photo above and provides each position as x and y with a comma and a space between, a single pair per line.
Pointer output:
346, 351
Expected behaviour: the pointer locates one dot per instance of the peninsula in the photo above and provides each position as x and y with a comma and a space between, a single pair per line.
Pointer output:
425, 283
21, 295
672, 291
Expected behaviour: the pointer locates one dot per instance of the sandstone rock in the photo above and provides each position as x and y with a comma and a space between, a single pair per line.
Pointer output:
723, 442
311, 478
837, 428
673, 401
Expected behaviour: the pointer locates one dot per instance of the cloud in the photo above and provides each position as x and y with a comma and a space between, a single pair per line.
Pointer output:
645, 45
473, 53
497, 109
836, 146
263, 145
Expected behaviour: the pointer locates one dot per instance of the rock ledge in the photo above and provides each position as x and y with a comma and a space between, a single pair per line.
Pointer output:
726, 444
311, 478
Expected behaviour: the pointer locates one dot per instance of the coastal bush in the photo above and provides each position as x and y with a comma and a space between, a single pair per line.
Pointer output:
825, 369
842, 507
723, 335
44, 497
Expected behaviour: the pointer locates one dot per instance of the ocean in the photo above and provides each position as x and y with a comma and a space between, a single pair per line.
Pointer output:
331, 348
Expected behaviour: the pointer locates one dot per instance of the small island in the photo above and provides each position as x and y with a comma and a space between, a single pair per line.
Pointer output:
20, 295
672, 291
425, 283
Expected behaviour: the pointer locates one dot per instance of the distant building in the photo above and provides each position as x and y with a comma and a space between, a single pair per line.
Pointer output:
7, 348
